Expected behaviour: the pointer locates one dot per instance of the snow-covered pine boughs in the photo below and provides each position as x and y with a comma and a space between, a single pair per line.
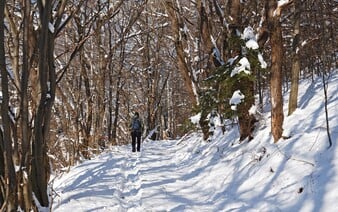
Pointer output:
251, 43
242, 66
237, 98
250, 38
230, 87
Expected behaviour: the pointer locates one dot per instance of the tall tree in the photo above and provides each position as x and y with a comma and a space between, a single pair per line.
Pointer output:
47, 81
230, 46
8, 178
273, 14
243, 82
295, 68
179, 36
25, 179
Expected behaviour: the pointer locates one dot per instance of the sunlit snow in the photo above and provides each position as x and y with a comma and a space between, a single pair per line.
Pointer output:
243, 66
237, 97
188, 174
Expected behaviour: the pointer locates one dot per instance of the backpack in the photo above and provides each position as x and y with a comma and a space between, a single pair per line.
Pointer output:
136, 125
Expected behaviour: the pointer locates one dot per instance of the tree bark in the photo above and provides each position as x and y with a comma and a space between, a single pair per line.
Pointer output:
25, 171
277, 116
87, 108
119, 86
182, 65
47, 81
111, 130
295, 70
325, 86
8, 198
205, 32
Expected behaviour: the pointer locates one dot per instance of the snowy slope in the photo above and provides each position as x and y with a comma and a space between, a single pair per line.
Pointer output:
297, 174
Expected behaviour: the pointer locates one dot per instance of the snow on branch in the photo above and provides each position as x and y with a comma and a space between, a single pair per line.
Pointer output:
51, 27
243, 66
216, 53
237, 98
250, 38
280, 5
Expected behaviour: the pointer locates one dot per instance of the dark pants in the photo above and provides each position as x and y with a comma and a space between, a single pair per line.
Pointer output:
136, 139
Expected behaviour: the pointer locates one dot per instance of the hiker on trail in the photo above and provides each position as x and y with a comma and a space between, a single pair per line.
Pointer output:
136, 128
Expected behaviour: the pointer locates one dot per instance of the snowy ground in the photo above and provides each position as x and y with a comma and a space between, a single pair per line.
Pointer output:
297, 174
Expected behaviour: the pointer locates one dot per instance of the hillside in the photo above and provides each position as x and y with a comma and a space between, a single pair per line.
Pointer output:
297, 174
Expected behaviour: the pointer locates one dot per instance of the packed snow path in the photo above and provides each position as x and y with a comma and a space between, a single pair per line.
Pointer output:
124, 181
197, 176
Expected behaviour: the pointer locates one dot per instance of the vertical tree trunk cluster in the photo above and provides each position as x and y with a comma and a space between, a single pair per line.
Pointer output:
47, 83
25, 124
179, 36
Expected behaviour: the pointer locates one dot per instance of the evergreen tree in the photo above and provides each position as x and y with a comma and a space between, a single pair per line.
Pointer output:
238, 74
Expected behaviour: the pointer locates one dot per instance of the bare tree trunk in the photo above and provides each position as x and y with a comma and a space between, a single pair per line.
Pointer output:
277, 116
26, 138
2, 169
8, 186
14, 55
117, 108
326, 111
87, 109
182, 65
111, 133
206, 31
47, 81
119, 86
295, 71
99, 134
151, 79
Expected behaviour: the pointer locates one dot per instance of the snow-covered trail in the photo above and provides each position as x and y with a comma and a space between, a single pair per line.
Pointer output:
121, 180
197, 176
